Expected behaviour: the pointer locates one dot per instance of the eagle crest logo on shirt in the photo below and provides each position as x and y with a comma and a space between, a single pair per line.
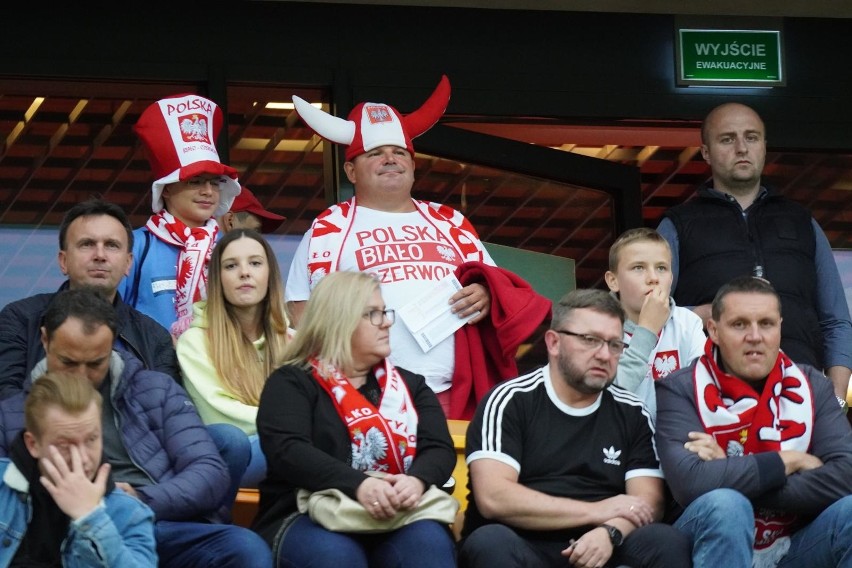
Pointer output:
447, 253
665, 362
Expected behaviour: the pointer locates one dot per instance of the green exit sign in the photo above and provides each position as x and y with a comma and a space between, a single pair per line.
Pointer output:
730, 58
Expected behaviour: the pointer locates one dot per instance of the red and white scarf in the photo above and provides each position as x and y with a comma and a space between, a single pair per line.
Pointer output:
196, 247
383, 438
745, 422
331, 228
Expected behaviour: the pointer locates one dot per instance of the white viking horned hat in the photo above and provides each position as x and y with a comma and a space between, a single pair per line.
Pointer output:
179, 135
371, 125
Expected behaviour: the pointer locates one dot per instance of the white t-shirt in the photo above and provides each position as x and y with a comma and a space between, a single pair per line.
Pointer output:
409, 255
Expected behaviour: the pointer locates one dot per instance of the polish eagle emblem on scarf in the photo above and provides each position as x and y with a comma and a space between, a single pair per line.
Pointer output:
368, 448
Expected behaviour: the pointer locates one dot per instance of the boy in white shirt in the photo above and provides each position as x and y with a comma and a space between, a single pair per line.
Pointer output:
662, 337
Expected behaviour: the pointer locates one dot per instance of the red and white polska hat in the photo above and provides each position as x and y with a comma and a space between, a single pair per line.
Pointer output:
371, 125
179, 134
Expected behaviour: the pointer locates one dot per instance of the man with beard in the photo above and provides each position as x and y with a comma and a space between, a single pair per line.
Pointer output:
562, 463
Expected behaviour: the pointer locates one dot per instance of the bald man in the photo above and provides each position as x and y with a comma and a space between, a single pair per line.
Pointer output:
736, 226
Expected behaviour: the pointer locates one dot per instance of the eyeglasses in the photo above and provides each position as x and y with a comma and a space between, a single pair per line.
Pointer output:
215, 182
594, 342
377, 317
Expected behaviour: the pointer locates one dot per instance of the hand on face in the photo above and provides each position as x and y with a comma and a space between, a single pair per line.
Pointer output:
655, 310
72, 488
643, 281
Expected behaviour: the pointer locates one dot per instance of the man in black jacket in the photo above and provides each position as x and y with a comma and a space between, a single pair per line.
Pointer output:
95, 243
736, 225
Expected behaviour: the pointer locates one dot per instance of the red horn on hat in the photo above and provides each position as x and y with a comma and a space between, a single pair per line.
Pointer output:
427, 115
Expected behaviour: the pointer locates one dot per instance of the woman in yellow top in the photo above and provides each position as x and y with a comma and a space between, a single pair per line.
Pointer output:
236, 338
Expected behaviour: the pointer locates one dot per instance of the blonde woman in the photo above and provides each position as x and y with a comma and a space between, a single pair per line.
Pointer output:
335, 411
237, 338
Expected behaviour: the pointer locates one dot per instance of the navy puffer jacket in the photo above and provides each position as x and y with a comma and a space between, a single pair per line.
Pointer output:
161, 431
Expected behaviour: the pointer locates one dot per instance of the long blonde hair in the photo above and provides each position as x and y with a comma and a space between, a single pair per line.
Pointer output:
234, 356
331, 316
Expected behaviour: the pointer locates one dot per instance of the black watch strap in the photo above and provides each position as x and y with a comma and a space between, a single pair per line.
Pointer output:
615, 536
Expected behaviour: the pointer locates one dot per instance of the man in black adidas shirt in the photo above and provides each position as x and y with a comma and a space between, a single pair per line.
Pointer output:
562, 464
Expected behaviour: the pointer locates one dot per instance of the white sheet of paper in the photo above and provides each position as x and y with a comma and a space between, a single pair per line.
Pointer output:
428, 317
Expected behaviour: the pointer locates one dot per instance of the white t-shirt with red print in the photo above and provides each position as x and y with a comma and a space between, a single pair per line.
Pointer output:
408, 252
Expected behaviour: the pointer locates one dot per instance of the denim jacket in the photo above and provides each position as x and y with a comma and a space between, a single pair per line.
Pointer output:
118, 532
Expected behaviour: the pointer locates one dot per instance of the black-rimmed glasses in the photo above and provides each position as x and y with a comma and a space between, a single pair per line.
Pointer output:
377, 317
594, 342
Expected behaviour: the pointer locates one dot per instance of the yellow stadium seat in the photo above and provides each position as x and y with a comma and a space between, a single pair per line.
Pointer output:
245, 507
458, 431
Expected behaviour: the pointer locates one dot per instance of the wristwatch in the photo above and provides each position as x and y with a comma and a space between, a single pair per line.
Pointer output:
843, 405
615, 536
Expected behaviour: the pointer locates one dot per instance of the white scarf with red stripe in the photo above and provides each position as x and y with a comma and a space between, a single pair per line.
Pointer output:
745, 422
196, 246
384, 438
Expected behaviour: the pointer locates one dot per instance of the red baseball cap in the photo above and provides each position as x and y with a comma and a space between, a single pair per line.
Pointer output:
247, 202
